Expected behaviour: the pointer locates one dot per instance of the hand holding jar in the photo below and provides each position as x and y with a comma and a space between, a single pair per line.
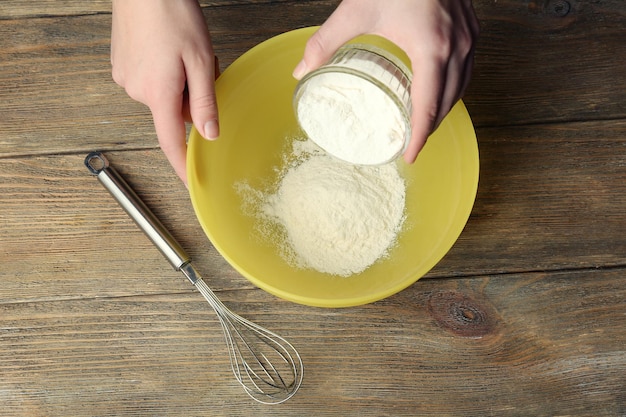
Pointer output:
437, 35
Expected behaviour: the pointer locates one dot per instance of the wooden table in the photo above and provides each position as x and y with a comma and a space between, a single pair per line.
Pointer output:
526, 315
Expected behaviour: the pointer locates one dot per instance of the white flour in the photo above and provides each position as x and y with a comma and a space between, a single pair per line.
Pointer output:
351, 118
337, 218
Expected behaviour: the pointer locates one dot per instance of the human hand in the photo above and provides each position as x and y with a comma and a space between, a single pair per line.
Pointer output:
161, 54
437, 35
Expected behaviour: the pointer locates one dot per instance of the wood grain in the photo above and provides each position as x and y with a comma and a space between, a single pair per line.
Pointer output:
524, 316
546, 346
55, 74
550, 197
86, 233
55, 71
548, 61
16, 9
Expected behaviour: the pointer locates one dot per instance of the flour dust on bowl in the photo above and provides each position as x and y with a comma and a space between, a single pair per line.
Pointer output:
325, 214
258, 128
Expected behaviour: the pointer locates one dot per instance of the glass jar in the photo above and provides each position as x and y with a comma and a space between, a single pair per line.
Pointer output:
357, 106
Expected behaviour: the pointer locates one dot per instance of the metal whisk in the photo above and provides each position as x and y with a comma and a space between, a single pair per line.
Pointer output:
266, 365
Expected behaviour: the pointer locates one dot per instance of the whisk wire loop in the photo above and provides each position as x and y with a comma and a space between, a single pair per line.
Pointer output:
250, 346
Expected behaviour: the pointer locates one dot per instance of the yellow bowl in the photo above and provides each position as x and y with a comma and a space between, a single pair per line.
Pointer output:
256, 119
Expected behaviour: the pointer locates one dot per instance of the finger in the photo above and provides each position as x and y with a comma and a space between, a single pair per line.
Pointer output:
469, 66
426, 94
186, 110
216, 67
471, 19
474, 28
453, 88
202, 101
459, 70
456, 84
170, 129
338, 29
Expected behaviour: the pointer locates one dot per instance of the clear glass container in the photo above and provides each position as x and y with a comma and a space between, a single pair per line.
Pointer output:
367, 129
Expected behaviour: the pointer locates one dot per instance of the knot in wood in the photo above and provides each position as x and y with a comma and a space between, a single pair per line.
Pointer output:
461, 314
559, 8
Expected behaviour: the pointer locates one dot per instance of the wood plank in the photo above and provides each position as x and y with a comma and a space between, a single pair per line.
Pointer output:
548, 61
529, 344
56, 92
524, 316
86, 234
550, 197
16, 9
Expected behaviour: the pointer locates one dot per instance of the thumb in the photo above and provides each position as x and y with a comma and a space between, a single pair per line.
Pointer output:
334, 33
202, 100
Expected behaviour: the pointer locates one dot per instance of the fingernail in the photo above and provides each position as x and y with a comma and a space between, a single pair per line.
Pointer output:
300, 70
211, 130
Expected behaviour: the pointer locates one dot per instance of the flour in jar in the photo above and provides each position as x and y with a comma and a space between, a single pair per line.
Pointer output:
337, 218
351, 118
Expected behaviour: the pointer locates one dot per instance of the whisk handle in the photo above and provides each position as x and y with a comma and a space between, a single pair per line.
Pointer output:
122, 192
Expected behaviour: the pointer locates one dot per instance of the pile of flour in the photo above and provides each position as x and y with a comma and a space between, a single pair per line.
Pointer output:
337, 218
351, 118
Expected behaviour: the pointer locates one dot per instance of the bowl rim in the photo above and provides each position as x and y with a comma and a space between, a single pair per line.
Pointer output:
469, 194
